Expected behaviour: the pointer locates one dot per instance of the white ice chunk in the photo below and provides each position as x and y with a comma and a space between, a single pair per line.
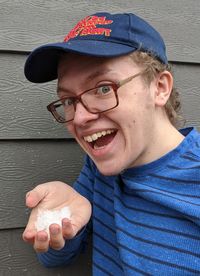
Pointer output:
46, 217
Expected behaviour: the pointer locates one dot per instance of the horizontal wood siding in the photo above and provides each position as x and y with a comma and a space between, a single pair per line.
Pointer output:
27, 24
34, 149
24, 164
18, 259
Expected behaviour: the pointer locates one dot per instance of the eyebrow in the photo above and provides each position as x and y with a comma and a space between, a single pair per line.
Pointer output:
89, 78
97, 74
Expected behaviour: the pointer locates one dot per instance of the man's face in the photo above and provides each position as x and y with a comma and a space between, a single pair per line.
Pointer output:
126, 133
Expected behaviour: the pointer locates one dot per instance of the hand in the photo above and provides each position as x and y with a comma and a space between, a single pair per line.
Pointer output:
54, 196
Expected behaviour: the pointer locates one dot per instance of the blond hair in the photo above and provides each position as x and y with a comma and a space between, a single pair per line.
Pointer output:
154, 67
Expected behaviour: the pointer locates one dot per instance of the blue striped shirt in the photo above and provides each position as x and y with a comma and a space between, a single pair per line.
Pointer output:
145, 221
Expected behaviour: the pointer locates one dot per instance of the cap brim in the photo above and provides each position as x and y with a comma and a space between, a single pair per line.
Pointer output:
41, 65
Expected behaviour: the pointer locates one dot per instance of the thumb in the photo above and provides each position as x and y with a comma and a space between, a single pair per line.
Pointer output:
34, 196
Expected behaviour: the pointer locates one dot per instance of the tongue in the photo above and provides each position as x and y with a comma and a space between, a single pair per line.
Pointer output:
104, 140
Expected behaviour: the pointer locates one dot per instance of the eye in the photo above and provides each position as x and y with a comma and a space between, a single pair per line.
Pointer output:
68, 102
105, 89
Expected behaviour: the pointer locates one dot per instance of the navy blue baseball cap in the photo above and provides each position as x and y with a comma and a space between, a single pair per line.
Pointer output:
100, 35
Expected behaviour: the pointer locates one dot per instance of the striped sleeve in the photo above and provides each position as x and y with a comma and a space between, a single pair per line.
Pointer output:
65, 256
85, 182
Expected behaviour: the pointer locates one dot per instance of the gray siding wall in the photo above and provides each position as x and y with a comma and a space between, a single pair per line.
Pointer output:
33, 148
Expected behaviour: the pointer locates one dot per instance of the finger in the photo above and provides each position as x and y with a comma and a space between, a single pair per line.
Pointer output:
30, 230
57, 241
68, 230
41, 243
34, 196
29, 236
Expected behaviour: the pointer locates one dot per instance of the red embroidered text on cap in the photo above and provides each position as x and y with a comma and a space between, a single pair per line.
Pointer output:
88, 26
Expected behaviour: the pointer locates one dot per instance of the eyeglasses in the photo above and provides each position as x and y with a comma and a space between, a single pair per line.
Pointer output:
97, 100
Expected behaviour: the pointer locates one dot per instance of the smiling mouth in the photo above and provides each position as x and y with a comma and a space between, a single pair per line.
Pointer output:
100, 139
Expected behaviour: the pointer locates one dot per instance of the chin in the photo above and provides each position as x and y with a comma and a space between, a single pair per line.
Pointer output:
109, 170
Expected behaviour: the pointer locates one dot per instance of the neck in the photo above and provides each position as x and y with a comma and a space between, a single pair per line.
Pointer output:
166, 139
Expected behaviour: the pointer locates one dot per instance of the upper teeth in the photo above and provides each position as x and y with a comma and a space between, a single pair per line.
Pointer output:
95, 136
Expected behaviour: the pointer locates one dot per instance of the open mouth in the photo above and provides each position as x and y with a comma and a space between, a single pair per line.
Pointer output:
100, 139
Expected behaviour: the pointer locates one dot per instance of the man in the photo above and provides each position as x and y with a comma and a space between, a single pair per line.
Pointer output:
138, 191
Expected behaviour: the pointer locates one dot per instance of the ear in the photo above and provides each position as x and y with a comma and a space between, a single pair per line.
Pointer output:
164, 85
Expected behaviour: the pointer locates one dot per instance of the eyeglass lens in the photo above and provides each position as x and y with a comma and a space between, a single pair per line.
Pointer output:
96, 100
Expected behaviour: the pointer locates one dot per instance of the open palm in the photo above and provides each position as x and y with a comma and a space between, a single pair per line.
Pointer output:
54, 196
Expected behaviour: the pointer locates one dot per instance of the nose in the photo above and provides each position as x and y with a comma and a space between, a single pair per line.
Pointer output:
82, 115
